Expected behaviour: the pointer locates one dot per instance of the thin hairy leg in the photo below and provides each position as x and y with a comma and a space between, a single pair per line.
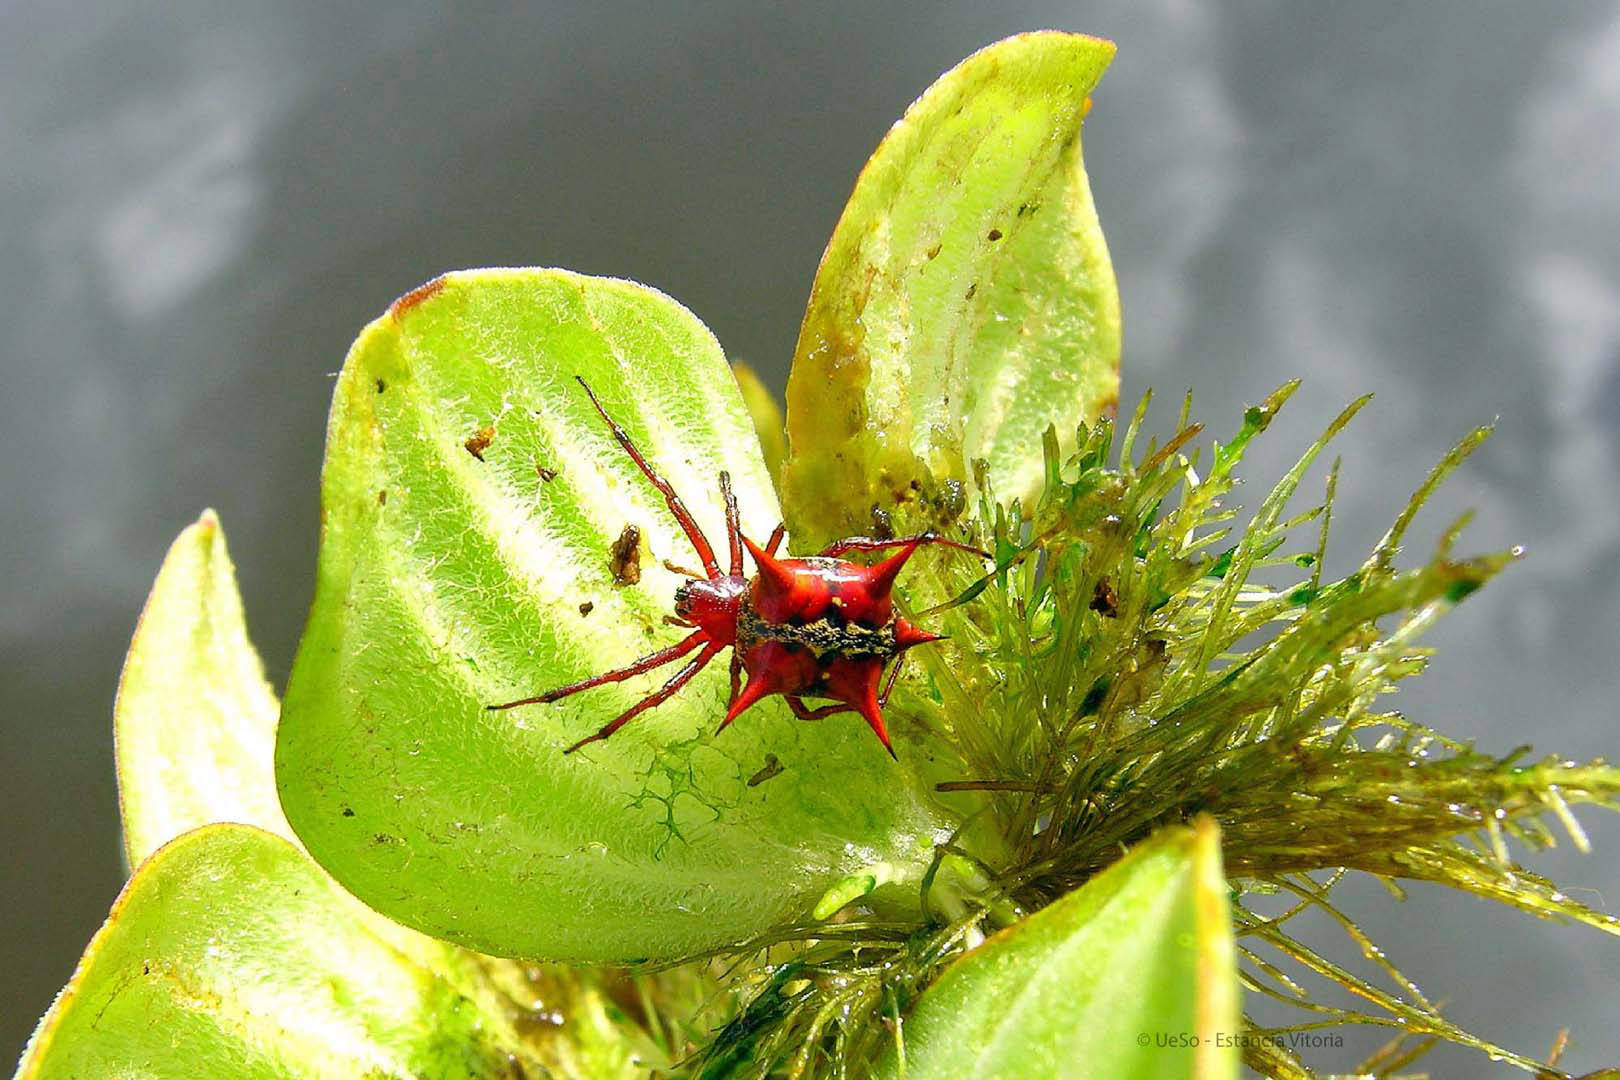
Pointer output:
654, 699
872, 543
700, 543
646, 663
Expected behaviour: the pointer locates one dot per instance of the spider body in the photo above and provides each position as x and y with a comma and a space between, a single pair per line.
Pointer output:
819, 626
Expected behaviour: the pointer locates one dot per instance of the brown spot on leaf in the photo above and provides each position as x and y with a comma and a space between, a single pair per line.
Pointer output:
624, 557
480, 441
933, 252
404, 304
993, 235
381, 386
382, 497
973, 288
772, 767
586, 608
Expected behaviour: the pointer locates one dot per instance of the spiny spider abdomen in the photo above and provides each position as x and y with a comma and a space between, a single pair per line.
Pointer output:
810, 627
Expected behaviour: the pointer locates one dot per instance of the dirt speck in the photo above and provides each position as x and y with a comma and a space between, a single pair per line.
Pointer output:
993, 235
480, 441
624, 557
586, 608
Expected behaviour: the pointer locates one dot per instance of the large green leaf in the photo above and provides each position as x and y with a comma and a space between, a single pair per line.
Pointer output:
1132, 975
231, 955
195, 722
964, 303
450, 580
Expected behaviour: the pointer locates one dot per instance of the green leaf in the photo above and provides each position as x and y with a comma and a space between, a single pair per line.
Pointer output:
230, 955
1131, 975
768, 421
196, 725
964, 303
449, 581
195, 721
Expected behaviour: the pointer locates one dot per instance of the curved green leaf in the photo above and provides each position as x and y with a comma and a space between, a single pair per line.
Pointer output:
769, 423
450, 580
229, 954
195, 721
1132, 975
964, 303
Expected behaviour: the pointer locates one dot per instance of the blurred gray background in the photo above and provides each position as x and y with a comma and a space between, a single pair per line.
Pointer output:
199, 210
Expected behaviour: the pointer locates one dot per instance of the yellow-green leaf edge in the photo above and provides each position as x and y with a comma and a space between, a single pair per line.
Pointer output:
965, 302
1132, 976
194, 723
229, 947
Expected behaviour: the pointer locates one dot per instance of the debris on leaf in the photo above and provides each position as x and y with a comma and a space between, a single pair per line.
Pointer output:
480, 441
624, 557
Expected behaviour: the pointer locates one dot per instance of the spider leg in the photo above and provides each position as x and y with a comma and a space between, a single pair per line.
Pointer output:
888, 684
654, 699
733, 528
803, 712
700, 543
776, 539
872, 543
646, 663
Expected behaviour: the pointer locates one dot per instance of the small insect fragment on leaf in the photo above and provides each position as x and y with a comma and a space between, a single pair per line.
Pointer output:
548, 475
772, 767
1104, 600
624, 558
480, 441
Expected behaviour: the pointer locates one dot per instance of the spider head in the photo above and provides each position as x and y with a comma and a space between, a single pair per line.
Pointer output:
713, 604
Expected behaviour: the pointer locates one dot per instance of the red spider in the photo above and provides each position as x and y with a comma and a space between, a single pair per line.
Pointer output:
818, 627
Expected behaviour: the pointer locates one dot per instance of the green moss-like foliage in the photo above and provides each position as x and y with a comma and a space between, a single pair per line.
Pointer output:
1137, 659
